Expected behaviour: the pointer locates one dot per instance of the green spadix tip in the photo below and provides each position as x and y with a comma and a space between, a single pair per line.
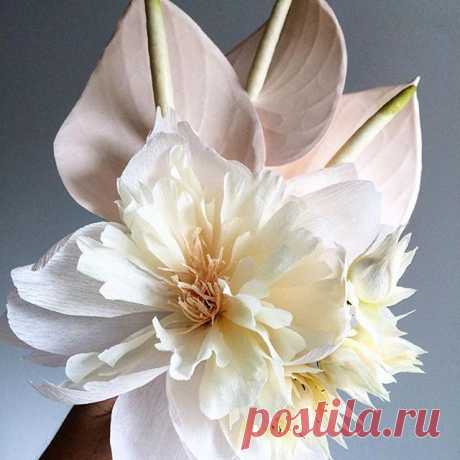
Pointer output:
397, 104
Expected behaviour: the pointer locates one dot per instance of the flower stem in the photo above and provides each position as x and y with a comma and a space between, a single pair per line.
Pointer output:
372, 127
159, 59
266, 49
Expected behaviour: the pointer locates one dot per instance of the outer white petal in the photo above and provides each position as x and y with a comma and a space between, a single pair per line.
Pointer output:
68, 335
110, 122
141, 428
116, 371
43, 358
203, 437
110, 389
348, 214
305, 81
55, 284
311, 182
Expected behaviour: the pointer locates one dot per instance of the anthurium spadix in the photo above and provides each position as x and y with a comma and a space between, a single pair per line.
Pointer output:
306, 124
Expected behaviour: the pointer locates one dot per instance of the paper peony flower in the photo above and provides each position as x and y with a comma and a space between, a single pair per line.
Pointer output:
237, 267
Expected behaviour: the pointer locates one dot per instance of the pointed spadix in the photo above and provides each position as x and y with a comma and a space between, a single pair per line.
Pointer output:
351, 149
159, 58
267, 47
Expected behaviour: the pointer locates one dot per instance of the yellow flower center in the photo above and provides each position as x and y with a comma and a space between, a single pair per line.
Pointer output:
199, 293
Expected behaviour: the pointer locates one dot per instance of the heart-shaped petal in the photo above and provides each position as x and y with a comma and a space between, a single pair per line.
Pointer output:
393, 160
305, 81
110, 122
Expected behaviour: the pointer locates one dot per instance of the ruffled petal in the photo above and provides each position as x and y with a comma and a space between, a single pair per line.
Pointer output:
115, 113
238, 384
314, 292
111, 389
180, 145
305, 82
190, 349
105, 380
55, 284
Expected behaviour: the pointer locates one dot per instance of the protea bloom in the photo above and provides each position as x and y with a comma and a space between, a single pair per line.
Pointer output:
226, 259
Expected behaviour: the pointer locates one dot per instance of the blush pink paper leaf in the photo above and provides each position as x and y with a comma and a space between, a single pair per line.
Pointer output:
393, 160
305, 81
110, 122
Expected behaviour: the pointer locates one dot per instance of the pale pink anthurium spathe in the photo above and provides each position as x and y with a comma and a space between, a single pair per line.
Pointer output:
90, 302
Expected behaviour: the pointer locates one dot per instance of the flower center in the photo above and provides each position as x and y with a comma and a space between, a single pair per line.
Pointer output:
199, 289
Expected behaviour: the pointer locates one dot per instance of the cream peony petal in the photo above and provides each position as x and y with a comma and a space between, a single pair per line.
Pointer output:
307, 183
202, 437
348, 214
179, 148
122, 280
247, 311
305, 81
287, 343
141, 427
55, 284
190, 349
68, 335
393, 161
110, 122
314, 292
238, 384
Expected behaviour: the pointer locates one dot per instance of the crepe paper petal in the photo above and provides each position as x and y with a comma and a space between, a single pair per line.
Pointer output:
104, 390
115, 113
68, 335
348, 214
59, 287
393, 160
186, 415
308, 183
42, 358
305, 82
313, 356
141, 427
